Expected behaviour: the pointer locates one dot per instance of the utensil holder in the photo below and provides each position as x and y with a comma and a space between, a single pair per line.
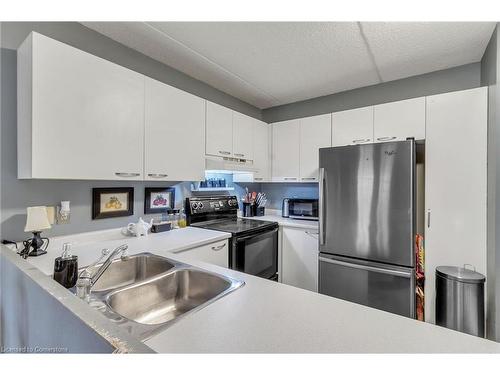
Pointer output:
248, 209
260, 211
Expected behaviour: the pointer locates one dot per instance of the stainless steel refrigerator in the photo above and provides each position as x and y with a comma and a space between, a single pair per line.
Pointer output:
367, 225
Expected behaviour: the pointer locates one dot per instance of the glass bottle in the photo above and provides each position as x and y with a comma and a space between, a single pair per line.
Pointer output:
182, 219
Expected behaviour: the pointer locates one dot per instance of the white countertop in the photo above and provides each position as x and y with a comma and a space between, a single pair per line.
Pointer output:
88, 246
265, 316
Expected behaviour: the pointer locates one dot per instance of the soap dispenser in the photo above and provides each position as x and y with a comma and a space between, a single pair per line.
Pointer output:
66, 268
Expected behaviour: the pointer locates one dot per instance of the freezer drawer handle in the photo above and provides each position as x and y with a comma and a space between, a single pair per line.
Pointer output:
367, 268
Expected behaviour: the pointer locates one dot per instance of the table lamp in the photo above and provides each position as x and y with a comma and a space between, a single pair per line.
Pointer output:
36, 221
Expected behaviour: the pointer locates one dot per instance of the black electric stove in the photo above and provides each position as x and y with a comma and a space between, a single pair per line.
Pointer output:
254, 243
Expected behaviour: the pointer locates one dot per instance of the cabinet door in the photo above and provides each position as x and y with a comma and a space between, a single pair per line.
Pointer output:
300, 258
87, 115
219, 130
215, 253
242, 136
399, 120
315, 133
455, 184
352, 127
261, 151
173, 119
286, 144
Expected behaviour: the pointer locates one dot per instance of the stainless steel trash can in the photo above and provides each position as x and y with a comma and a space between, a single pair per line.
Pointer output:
460, 299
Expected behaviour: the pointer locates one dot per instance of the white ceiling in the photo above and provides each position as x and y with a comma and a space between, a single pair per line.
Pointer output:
273, 63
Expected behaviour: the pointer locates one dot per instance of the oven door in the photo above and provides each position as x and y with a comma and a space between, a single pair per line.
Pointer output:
256, 254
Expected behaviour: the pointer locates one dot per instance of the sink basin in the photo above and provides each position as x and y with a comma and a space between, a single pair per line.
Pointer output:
167, 297
146, 293
131, 270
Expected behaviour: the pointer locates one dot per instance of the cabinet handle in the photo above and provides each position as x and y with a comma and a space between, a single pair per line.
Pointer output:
157, 175
241, 155
290, 178
258, 178
224, 152
386, 138
217, 248
363, 140
309, 178
428, 218
124, 174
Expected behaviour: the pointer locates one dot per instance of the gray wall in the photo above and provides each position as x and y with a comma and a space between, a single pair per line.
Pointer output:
489, 74
453, 79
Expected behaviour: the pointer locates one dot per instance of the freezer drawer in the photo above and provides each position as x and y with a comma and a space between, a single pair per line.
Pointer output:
384, 287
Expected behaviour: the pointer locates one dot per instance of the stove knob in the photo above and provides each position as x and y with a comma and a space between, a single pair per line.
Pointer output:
194, 205
200, 206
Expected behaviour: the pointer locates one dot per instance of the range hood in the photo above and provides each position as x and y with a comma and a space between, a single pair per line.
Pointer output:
228, 165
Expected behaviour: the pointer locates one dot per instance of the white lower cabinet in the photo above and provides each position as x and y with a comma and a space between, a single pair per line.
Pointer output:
214, 253
299, 259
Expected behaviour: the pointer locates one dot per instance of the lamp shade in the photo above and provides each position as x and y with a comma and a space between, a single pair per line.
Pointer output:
36, 219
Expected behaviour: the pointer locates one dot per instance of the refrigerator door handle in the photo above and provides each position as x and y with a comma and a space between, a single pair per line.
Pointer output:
321, 202
406, 274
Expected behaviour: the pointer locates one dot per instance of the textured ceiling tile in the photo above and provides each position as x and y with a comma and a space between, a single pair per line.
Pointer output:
288, 60
272, 63
403, 49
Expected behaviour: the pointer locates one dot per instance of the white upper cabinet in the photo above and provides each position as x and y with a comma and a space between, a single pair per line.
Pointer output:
352, 127
219, 130
261, 151
243, 136
285, 151
315, 133
79, 116
400, 120
173, 120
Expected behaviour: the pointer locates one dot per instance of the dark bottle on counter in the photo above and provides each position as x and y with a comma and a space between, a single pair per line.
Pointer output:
66, 268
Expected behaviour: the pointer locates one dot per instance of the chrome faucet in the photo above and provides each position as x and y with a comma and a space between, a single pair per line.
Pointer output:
86, 281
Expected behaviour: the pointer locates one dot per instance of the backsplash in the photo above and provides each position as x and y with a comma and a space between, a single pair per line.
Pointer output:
275, 192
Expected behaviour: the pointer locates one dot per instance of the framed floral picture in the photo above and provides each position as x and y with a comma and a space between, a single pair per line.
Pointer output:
158, 200
112, 202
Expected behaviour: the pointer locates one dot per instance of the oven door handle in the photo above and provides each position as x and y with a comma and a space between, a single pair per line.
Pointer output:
255, 235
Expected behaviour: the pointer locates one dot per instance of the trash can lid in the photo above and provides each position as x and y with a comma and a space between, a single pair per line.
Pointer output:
461, 274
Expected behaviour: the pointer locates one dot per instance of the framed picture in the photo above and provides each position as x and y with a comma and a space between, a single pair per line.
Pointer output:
158, 200
112, 202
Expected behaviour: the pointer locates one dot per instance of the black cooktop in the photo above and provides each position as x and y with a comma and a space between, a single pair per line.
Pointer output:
236, 226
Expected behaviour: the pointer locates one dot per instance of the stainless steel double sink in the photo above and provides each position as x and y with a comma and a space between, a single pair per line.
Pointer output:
146, 293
